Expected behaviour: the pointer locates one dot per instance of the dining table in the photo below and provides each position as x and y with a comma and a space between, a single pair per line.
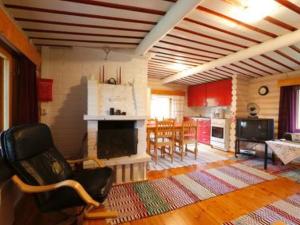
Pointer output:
150, 128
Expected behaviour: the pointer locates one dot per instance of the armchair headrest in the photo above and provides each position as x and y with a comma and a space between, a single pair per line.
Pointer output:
30, 151
25, 141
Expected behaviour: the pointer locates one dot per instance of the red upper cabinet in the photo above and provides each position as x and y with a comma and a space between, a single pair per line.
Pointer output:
192, 96
210, 94
213, 94
227, 92
197, 95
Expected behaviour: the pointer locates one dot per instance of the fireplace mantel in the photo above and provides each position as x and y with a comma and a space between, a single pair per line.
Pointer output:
114, 118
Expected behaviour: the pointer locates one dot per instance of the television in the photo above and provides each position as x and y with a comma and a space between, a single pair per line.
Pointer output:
255, 129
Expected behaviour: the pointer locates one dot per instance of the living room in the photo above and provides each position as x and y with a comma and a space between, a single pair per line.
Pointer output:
180, 112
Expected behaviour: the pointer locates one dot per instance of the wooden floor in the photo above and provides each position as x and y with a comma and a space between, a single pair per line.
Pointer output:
221, 208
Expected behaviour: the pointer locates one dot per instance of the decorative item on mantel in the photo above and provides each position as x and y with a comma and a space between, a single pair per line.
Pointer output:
112, 112
111, 80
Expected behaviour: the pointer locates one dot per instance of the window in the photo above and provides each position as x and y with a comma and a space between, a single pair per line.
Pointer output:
5, 83
160, 107
163, 106
298, 110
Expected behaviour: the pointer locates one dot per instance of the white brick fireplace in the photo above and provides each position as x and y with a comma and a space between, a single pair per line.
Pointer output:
102, 97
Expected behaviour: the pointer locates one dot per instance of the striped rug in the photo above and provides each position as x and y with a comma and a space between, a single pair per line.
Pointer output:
205, 155
287, 211
143, 199
290, 171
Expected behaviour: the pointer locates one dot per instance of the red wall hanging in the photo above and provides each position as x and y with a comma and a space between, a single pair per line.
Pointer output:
45, 90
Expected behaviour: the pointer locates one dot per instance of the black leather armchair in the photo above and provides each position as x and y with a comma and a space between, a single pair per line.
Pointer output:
40, 169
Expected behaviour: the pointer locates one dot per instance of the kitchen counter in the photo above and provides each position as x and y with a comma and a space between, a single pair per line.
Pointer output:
198, 117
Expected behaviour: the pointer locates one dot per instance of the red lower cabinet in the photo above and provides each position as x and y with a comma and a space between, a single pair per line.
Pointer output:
204, 127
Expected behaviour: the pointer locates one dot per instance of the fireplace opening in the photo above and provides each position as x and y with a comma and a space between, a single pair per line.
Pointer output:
116, 139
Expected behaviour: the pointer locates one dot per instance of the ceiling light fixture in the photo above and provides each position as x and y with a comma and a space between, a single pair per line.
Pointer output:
251, 11
177, 66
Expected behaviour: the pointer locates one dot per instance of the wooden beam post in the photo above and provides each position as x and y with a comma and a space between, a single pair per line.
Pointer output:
289, 82
11, 33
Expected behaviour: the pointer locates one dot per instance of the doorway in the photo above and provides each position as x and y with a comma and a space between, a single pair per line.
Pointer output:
1, 94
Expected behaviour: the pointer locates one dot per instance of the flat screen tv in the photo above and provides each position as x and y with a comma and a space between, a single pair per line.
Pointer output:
255, 129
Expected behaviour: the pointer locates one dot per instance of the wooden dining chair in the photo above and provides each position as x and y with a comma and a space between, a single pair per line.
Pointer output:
186, 135
169, 119
150, 123
164, 137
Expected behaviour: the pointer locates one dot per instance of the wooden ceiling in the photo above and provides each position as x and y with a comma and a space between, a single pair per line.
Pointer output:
207, 33
87, 23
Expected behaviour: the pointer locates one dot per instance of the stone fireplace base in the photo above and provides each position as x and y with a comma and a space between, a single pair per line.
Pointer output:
127, 168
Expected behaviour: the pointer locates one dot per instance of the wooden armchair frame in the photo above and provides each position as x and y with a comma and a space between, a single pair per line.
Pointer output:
90, 202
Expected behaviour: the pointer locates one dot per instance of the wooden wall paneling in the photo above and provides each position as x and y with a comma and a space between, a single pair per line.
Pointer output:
167, 92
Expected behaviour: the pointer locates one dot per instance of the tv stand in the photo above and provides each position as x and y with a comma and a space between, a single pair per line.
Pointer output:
237, 149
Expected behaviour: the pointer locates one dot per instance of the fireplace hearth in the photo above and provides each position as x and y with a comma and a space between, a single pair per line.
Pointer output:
116, 139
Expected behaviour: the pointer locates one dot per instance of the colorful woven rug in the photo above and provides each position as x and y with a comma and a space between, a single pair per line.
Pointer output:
289, 171
204, 156
287, 211
143, 199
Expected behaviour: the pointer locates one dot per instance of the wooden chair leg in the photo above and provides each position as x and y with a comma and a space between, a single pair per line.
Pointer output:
172, 153
163, 151
196, 150
148, 146
182, 152
155, 153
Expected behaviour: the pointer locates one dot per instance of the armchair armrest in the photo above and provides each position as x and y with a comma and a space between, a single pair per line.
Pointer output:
96, 160
66, 183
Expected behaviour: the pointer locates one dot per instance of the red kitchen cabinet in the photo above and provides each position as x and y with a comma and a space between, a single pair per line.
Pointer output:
227, 94
192, 96
204, 127
213, 93
197, 95
210, 94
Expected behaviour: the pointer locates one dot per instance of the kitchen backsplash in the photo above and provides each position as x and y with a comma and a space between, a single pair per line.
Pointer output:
207, 111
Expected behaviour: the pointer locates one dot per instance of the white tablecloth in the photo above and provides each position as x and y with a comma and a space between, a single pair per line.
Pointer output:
285, 150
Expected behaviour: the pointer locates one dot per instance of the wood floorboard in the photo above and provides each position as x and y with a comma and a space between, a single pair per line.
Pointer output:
219, 209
